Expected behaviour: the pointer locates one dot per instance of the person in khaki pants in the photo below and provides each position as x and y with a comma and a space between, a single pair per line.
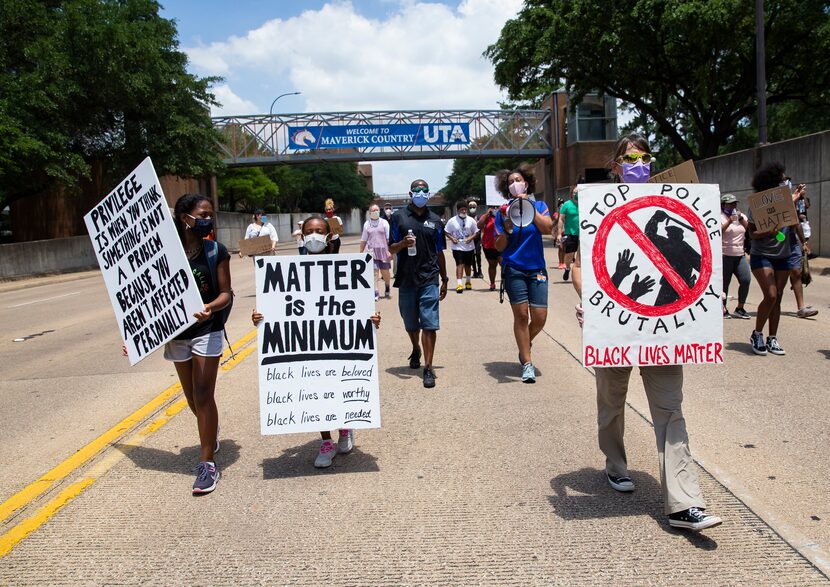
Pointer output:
682, 499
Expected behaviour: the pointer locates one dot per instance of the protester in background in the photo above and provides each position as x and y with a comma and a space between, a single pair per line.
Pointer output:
261, 227
317, 238
462, 231
196, 351
568, 230
772, 256
420, 231
733, 228
802, 202
487, 227
560, 251
330, 216
524, 275
472, 209
387, 211
375, 236
298, 236
682, 499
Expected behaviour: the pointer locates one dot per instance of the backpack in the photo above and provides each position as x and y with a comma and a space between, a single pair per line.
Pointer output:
212, 253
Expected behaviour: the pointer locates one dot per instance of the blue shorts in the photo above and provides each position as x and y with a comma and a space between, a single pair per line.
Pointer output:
525, 286
760, 261
419, 307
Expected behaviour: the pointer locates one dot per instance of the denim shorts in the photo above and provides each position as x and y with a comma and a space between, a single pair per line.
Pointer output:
760, 261
208, 345
419, 307
524, 286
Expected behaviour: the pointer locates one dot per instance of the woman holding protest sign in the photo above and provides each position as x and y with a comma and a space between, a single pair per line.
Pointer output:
317, 240
524, 275
196, 351
335, 226
772, 257
261, 227
682, 498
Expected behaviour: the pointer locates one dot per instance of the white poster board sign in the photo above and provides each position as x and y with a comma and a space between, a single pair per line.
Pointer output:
492, 196
147, 274
318, 367
651, 274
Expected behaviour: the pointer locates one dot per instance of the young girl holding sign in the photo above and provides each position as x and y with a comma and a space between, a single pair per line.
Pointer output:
196, 351
682, 498
317, 240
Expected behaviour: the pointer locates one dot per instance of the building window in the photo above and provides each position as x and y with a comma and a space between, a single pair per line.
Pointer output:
594, 119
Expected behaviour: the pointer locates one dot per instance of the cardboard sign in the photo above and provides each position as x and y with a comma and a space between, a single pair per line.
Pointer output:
683, 173
651, 274
248, 247
317, 359
334, 225
492, 196
773, 209
147, 274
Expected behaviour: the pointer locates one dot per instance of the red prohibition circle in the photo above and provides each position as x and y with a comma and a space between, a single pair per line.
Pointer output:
623, 213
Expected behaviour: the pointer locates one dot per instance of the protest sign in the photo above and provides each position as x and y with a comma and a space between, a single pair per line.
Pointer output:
147, 274
683, 173
335, 226
248, 247
651, 274
492, 196
773, 209
317, 346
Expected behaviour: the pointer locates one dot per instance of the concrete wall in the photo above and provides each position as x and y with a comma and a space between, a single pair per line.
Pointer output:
806, 160
47, 256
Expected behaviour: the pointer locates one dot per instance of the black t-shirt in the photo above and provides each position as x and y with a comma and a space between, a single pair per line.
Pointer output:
422, 268
201, 275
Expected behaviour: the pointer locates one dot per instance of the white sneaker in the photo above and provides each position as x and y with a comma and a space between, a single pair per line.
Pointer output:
326, 454
345, 443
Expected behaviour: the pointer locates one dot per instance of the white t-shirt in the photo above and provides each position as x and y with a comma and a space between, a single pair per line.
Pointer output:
254, 230
460, 229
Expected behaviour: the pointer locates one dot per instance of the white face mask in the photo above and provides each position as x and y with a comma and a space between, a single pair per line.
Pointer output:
374, 214
462, 215
472, 209
315, 243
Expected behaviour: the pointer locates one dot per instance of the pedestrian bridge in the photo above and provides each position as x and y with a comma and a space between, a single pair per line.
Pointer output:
266, 139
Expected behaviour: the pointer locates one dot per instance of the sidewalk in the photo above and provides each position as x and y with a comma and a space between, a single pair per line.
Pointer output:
481, 480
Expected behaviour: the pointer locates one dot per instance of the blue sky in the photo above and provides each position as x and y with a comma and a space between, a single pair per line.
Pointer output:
347, 55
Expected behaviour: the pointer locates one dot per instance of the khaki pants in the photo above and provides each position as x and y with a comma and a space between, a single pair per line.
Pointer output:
664, 389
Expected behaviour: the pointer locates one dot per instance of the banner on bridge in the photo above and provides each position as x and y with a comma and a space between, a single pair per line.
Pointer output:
147, 274
378, 135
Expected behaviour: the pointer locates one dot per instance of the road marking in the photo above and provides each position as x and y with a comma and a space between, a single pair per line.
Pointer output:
32, 491
74, 293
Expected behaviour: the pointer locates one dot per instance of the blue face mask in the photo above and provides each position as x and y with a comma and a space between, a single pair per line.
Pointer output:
201, 226
636, 172
419, 199
263, 218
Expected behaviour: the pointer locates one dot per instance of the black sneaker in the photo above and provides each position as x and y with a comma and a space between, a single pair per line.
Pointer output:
429, 377
415, 359
774, 347
726, 314
566, 275
757, 340
693, 519
622, 484
741, 313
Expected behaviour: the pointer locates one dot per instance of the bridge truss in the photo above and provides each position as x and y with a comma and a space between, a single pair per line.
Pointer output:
264, 139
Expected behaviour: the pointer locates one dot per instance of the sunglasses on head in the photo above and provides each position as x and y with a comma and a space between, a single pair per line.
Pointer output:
419, 188
646, 158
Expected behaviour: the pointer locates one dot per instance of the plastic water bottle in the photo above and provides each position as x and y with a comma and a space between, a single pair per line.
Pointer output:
411, 249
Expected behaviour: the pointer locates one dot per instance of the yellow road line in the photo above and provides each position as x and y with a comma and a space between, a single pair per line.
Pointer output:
32, 491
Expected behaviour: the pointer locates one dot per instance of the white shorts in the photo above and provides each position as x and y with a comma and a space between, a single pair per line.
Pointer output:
208, 345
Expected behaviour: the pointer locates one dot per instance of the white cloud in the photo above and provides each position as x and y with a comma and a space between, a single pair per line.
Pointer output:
422, 56
231, 104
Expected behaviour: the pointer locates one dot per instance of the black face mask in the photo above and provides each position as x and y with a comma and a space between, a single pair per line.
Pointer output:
201, 226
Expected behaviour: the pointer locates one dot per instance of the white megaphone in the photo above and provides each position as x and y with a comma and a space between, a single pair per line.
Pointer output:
522, 211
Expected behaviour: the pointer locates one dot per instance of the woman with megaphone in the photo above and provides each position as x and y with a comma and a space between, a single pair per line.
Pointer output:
519, 229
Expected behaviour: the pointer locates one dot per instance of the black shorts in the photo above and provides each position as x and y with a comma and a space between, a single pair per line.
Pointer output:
491, 254
570, 242
462, 257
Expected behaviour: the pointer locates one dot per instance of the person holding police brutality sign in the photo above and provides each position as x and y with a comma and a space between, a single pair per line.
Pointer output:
196, 351
682, 498
523, 263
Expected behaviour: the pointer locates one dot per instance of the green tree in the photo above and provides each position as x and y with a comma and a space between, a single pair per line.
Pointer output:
686, 65
304, 188
246, 187
86, 82
467, 177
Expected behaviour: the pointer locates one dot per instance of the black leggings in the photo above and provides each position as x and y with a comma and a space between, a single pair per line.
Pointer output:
739, 267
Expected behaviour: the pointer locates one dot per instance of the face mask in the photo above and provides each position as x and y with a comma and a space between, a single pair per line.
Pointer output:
786, 182
329, 213
315, 243
264, 219
636, 172
201, 226
472, 209
462, 215
387, 211
420, 199
374, 214
728, 211
517, 188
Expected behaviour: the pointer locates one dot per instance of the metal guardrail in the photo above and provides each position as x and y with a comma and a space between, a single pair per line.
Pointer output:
264, 139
